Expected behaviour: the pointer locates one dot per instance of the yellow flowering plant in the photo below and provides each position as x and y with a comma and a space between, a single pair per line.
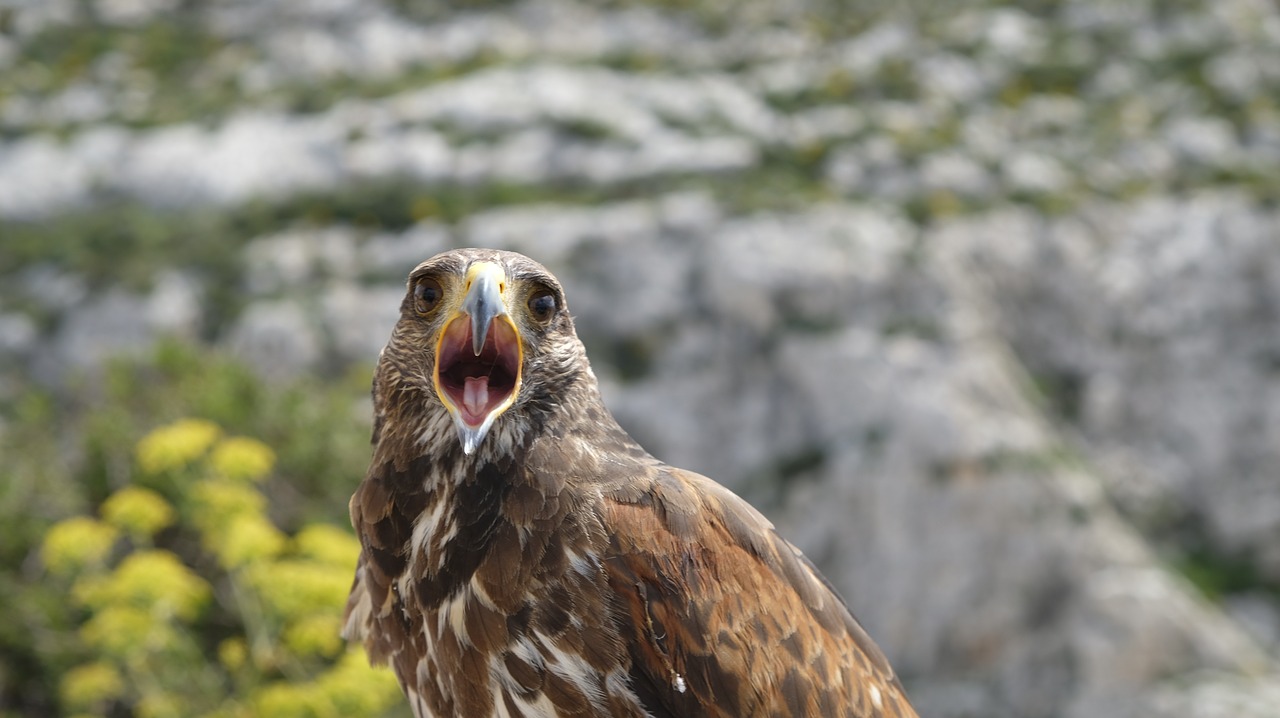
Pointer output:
196, 603
92, 686
242, 458
80, 542
138, 511
176, 446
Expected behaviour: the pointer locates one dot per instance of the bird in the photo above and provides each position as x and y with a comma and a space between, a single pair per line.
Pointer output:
523, 557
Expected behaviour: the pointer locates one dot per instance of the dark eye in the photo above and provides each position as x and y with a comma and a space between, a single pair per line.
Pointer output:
426, 295
543, 305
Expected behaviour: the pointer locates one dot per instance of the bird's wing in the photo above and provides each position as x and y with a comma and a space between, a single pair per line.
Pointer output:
725, 618
375, 612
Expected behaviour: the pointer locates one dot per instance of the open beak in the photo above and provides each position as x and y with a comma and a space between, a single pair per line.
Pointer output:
479, 356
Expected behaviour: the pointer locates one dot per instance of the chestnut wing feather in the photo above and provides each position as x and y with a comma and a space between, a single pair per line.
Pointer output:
725, 618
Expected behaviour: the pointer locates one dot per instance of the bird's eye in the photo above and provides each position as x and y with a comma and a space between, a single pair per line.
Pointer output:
543, 305
426, 295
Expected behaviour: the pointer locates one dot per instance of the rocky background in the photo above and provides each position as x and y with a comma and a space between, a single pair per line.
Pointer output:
980, 301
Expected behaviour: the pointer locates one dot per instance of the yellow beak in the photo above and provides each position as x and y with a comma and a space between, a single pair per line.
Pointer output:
479, 356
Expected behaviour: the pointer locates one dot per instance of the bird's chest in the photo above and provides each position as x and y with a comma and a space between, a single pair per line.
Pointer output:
450, 536
516, 618
543, 660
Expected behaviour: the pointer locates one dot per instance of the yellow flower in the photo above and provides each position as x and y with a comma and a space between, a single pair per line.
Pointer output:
315, 635
218, 503
247, 538
292, 589
233, 653
141, 512
356, 688
176, 445
75, 543
291, 701
126, 631
243, 459
159, 705
152, 581
86, 687
229, 709
350, 688
329, 545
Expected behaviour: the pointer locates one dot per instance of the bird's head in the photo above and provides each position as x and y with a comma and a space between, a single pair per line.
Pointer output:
484, 333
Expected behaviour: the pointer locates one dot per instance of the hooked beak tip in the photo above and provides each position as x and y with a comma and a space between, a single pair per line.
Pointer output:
478, 336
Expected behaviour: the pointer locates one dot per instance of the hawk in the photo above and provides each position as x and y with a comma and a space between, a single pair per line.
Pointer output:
523, 557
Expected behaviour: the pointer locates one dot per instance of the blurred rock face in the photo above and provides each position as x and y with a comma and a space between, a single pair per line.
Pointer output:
983, 307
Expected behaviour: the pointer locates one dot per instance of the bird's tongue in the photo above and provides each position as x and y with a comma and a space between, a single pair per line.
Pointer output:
475, 395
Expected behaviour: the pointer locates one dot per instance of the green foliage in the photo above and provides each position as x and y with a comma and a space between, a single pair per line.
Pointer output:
194, 603
1218, 575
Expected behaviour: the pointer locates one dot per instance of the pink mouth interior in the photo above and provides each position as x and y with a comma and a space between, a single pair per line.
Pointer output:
476, 385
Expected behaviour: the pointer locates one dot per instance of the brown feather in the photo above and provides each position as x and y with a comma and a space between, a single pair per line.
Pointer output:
562, 571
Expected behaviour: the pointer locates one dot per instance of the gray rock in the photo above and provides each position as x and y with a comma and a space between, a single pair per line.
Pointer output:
1036, 173
873, 167
289, 261
32, 16
78, 104
95, 329
1161, 316
1014, 34
372, 41
1209, 141
252, 154
37, 175
954, 172
1237, 74
52, 289
1259, 616
17, 335
420, 154
1217, 695
174, 305
110, 326
883, 42
953, 78
358, 320
8, 52
258, 153
131, 12
392, 255
277, 339
824, 124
